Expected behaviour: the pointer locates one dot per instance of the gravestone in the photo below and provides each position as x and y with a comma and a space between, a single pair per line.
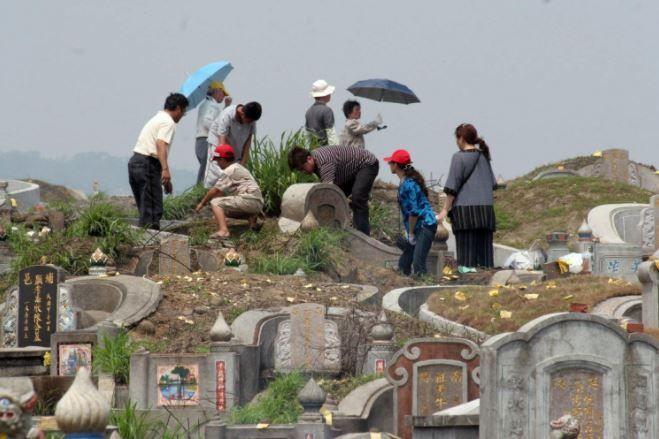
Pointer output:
557, 245
654, 204
647, 227
569, 363
307, 341
37, 305
615, 165
325, 201
174, 255
430, 375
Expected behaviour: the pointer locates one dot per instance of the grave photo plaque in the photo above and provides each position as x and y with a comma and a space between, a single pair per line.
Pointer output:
37, 305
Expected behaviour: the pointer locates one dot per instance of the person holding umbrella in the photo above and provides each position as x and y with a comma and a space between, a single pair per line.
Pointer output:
353, 132
148, 169
208, 110
418, 216
319, 118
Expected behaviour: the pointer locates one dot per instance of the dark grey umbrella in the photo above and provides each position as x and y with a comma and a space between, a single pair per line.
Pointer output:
383, 90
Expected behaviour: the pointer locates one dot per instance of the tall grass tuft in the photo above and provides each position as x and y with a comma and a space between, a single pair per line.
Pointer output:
278, 405
268, 164
113, 356
132, 424
177, 207
318, 247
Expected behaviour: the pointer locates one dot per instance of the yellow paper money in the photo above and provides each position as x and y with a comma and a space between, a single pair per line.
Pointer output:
505, 314
493, 293
531, 296
459, 295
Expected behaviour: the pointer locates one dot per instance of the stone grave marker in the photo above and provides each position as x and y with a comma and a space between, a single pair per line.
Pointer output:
430, 375
37, 305
615, 165
569, 363
308, 341
174, 255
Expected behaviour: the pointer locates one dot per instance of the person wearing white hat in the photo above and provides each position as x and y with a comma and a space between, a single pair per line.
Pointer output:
320, 117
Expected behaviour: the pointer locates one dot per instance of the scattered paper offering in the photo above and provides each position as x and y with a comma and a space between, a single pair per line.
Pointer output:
505, 314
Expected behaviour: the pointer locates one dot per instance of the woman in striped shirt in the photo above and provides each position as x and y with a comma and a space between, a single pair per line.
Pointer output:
470, 200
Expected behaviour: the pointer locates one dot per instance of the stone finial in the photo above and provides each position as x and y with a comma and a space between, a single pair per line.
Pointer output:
82, 409
383, 331
441, 235
309, 222
585, 233
221, 332
312, 398
565, 427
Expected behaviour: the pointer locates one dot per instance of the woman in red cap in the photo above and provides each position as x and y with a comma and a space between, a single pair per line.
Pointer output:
418, 216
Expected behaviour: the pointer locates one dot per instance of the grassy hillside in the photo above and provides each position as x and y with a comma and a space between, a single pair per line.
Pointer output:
528, 210
573, 164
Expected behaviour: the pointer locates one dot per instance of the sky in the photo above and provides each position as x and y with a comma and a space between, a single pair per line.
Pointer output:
541, 80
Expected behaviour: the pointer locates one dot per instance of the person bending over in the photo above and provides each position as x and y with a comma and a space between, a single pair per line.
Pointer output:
236, 193
351, 169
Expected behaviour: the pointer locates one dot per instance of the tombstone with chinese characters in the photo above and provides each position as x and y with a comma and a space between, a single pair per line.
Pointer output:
430, 375
308, 341
174, 255
40, 306
569, 363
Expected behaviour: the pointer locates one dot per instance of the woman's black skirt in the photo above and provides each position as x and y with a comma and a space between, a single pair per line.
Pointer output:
473, 227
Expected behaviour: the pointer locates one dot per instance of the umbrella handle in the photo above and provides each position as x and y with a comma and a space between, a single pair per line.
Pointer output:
383, 127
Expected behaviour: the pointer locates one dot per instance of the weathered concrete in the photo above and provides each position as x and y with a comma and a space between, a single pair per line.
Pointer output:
648, 274
327, 203
621, 307
27, 361
124, 300
532, 376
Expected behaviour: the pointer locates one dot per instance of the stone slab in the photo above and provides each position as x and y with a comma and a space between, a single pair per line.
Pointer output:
174, 256
22, 361
65, 344
569, 362
308, 341
432, 374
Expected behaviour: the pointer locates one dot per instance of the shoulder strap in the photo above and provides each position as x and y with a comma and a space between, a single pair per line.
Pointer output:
473, 168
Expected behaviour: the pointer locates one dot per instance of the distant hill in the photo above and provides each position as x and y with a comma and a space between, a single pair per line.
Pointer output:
79, 171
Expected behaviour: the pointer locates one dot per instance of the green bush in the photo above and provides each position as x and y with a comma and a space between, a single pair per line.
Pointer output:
277, 264
131, 424
113, 356
277, 405
317, 248
268, 164
103, 220
177, 207
70, 253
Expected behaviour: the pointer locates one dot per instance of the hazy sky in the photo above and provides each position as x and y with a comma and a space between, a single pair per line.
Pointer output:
541, 80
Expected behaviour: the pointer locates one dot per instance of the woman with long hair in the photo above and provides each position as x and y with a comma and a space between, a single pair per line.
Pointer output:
418, 216
470, 200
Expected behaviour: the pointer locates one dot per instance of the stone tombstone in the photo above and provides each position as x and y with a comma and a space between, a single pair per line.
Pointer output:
647, 227
430, 375
308, 341
558, 245
325, 201
569, 363
654, 204
174, 255
37, 305
648, 275
615, 165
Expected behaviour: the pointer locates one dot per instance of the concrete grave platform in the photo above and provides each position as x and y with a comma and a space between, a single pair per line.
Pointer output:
368, 406
123, 300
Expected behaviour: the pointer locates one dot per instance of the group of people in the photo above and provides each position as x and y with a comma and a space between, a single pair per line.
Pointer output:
224, 136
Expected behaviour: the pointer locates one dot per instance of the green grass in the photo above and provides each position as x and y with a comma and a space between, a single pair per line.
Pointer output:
380, 214
132, 424
177, 207
315, 250
268, 163
113, 356
277, 405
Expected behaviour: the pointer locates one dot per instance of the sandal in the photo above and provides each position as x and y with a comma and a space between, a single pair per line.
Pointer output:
216, 236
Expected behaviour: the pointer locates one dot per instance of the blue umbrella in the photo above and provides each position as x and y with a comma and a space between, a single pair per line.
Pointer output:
383, 90
195, 87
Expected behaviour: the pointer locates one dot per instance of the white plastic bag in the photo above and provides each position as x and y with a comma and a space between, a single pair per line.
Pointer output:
574, 262
519, 261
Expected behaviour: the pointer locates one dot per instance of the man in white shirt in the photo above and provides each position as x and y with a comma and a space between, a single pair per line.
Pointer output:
148, 170
235, 126
209, 109
236, 194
